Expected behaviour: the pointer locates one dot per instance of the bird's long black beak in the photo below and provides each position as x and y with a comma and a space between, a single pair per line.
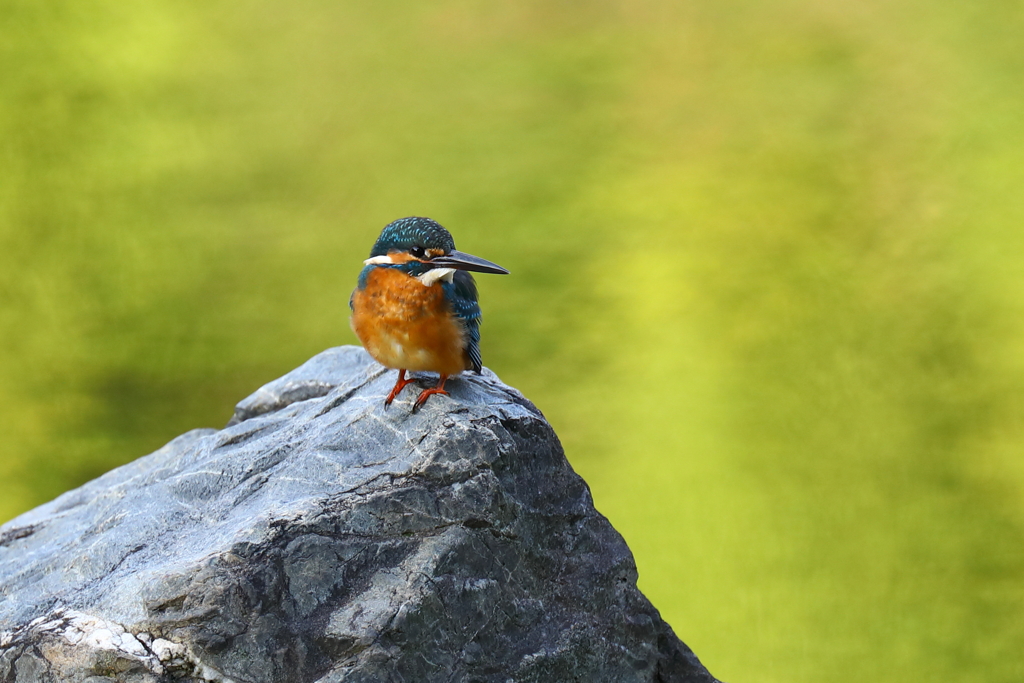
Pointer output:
463, 261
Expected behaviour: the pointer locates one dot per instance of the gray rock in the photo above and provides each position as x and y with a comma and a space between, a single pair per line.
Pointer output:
320, 537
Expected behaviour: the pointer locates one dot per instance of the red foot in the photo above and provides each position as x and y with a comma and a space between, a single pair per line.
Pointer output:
427, 393
399, 385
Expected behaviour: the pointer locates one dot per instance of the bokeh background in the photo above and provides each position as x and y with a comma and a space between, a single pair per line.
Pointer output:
767, 273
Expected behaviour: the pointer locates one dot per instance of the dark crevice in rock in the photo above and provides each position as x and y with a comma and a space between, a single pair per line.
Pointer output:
17, 533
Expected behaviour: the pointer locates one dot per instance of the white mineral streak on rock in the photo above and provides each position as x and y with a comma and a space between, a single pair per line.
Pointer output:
86, 631
90, 631
170, 654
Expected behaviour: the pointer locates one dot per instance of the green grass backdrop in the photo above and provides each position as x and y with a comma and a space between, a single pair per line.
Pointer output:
767, 257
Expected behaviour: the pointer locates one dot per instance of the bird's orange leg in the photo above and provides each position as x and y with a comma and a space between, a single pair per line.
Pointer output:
402, 383
427, 393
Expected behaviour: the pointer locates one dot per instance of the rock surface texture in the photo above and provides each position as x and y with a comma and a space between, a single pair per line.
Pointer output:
320, 537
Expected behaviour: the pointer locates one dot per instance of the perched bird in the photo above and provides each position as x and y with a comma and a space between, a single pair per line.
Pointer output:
415, 306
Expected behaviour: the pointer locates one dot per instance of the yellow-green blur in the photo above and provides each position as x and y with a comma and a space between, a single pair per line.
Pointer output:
767, 274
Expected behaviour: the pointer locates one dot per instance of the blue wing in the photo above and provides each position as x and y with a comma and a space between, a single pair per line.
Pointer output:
361, 284
461, 293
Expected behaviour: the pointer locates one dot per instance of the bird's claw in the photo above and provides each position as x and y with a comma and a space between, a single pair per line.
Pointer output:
424, 395
402, 383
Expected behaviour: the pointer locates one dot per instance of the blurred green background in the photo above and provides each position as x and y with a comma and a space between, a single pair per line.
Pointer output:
767, 274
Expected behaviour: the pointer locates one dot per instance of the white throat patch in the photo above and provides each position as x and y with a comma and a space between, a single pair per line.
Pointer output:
433, 275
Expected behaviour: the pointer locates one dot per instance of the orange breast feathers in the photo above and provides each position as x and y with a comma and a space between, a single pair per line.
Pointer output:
407, 325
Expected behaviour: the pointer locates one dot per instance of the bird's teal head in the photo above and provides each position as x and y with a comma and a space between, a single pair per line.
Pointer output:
422, 248
413, 235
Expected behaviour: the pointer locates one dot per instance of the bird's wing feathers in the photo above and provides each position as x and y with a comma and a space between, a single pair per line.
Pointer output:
364, 274
461, 292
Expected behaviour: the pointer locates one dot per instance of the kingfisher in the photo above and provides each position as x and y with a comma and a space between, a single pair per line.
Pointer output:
415, 305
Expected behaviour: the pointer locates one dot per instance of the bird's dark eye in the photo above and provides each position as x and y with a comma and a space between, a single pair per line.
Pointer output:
418, 252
